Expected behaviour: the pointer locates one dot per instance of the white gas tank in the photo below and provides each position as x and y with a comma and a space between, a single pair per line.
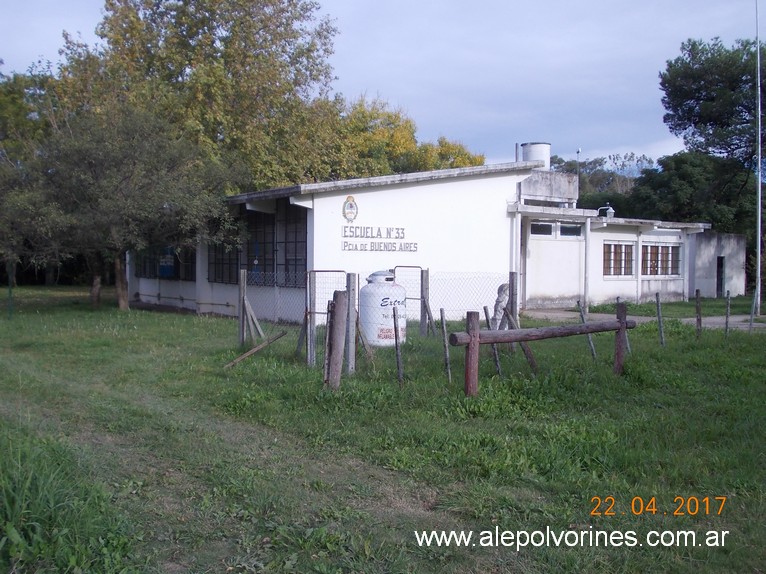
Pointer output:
377, 301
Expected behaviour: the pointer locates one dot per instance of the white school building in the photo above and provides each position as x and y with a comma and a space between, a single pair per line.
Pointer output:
469, 227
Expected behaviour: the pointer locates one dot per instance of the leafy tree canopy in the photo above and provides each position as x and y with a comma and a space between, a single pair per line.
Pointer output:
709, 97
381, 141
132, 142
28, 223
126, 180
237, 74
252, 76
693, 186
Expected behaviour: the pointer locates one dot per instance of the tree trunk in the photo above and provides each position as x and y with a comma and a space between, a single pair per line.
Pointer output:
95, 289
50, 274
96, 266
10, 269
121, 282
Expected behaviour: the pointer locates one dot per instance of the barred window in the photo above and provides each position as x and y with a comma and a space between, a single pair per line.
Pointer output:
147, 264
276, 246
186, 264
260, 248
291, 263
618, 259
660, 259
167, 263
222, 264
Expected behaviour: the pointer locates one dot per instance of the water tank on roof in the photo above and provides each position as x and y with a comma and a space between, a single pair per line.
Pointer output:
537, 151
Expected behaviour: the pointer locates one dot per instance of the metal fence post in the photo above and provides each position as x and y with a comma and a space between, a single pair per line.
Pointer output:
311, 328
241, 313
424, 294
351, 324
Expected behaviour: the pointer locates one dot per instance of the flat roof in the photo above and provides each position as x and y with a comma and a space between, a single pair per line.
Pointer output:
386, 180
580, 215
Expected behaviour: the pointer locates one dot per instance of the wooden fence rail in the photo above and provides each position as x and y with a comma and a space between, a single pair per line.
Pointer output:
474, 337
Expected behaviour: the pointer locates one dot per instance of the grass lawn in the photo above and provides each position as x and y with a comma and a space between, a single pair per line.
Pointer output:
132, 426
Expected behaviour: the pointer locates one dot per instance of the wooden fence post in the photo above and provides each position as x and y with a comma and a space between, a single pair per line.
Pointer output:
627, 340
659, 320
590, 339
728, 312
514, 324
330, 317
699, 312
472, 354
620, 339
446, 345
337, 339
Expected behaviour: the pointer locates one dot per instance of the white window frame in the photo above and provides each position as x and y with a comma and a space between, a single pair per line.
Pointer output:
661, 259
615, 259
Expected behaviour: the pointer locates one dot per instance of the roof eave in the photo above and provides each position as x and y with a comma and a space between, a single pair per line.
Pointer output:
387, 180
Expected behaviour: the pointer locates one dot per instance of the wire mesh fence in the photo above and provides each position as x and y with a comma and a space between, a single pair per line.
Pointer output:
291, 322
292, 317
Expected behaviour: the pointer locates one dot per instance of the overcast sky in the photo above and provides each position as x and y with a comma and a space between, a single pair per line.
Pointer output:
489, 73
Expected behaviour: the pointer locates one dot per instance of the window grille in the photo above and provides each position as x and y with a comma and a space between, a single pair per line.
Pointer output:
167, 263
223, 264
618, 259
660, 260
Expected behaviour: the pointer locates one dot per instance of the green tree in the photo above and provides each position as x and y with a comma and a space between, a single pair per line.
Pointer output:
28, 223
444, 154
693, 186
126, 180
239, 75
19, 124
710, 100
614, 174
377, 140
251, 76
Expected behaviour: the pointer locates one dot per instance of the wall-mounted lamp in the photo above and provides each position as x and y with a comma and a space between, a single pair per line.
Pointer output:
609, 210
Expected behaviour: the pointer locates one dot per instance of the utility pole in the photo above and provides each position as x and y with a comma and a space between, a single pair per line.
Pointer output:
759, 239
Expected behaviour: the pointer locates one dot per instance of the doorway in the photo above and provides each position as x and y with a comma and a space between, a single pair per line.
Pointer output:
720, 277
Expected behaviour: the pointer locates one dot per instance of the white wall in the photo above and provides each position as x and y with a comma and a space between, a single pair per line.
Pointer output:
633, 288
459, 230
554, 269
450, 226
174, 293
707, 247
